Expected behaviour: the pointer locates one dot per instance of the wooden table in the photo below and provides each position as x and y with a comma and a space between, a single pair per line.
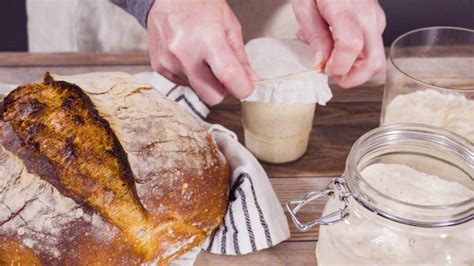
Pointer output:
350, 114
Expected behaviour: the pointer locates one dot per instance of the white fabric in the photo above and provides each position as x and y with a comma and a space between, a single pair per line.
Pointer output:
51, 26
255, 219
286, 69
82, 25
99, 25
5, 89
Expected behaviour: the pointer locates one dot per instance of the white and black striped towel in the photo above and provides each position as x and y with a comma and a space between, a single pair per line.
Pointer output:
254, 218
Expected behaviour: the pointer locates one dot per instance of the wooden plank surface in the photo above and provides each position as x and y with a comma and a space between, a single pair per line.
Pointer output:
336, 126
16, 59
295, 254
19, 75
295, 188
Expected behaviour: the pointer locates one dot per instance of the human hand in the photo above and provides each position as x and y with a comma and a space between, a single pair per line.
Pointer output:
199, 43
345, 36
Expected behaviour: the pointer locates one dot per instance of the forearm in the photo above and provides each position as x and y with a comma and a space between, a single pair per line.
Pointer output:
137, 8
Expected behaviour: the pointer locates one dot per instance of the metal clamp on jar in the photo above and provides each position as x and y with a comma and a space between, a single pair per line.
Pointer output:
406, 196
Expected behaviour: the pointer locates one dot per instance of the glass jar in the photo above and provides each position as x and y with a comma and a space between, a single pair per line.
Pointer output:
389, 220
430, 80
277, 133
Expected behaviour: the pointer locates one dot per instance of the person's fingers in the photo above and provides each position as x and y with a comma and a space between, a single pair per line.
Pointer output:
236, 42
348, 44
205, 84
164, 63
381, 20
301, 36
171, 64
228, 69
197, 70
365, 68
315, 30
162, 70
172, 77
358, 51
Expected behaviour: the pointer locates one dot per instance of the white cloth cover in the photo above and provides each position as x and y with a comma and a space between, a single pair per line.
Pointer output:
286, 69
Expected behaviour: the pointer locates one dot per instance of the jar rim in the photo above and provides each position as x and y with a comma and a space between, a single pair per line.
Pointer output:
401, 37
455, 141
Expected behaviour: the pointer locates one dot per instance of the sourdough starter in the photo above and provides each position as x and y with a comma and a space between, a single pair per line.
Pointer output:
277, 133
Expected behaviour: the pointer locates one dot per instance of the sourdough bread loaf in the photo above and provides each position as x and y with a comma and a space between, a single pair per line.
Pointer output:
100, 169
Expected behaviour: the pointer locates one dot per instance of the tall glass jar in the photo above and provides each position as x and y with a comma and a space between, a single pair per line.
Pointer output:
384, 221
430, 80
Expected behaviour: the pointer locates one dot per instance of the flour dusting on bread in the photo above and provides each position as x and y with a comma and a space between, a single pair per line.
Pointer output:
34, 210
180, 177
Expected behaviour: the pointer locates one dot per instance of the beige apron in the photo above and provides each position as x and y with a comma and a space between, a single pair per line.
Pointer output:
99, 25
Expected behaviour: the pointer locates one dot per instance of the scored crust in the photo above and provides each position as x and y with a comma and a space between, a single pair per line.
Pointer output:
147, 181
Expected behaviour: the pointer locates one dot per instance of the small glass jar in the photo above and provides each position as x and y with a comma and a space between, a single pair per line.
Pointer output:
277, 133
362, 224
430, 80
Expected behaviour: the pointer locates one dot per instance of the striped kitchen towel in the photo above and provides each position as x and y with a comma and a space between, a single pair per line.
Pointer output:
255, 219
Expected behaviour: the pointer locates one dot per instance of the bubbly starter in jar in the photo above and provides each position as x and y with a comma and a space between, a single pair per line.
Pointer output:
277, 133
375, 240
278, 116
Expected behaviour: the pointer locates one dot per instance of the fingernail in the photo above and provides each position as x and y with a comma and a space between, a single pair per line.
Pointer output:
328, 66
215, 97
318, 61
252, 74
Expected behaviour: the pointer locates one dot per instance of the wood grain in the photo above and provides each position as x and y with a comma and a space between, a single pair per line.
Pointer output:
296, 253
17, 59
293, 189
20, 75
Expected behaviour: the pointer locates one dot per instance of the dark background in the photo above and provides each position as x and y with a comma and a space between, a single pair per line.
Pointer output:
402, 16
13, 33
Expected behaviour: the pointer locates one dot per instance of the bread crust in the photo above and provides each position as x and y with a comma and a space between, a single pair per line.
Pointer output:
152, 178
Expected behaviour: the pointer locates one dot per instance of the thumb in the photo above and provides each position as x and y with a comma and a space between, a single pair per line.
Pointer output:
234, 38
314, 30
236, 43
